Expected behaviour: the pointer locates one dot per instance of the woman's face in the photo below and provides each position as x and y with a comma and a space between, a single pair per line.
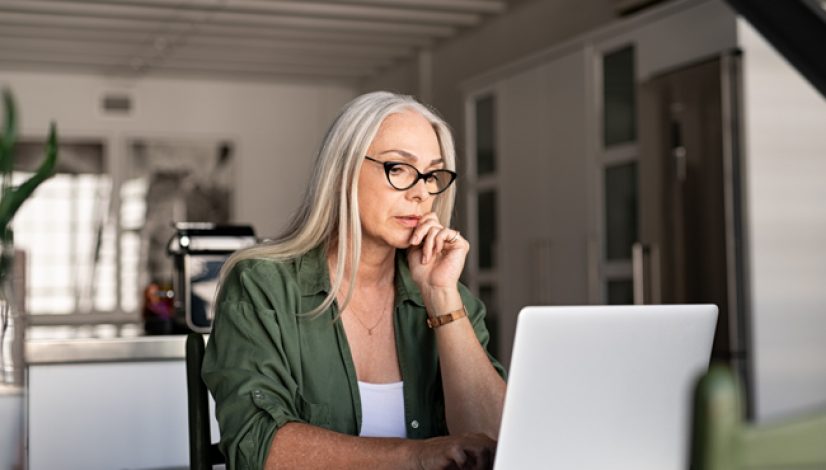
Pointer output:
388, 216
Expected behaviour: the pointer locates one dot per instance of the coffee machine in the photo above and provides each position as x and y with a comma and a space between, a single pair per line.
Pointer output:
199, 250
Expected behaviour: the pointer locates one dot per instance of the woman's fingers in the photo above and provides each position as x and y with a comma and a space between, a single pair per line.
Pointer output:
419, 233
432, 237
474, 451
429, 244
441, 239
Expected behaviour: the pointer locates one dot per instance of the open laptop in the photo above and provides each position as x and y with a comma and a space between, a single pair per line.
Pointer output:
602, 387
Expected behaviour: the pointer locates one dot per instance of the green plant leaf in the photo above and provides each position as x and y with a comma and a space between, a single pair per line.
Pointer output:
9, 137
14, 198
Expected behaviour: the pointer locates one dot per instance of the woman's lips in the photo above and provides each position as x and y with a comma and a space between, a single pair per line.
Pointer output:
410, 221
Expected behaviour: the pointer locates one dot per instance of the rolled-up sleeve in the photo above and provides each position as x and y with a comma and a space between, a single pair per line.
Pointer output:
247, 368
476, 313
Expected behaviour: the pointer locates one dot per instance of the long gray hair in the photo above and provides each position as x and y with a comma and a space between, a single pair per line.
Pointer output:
330, 208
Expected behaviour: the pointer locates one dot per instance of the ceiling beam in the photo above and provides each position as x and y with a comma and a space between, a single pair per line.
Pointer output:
104, 49
115, 62
376, 50
269, 76
55, 23
285, 59
135, 13
49, 39
477, 6
195, 65
300, 8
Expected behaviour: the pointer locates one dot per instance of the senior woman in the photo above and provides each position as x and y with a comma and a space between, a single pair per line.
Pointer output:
349, 341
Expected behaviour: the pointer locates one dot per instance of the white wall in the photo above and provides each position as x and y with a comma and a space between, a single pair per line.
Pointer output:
785, 137
277, 127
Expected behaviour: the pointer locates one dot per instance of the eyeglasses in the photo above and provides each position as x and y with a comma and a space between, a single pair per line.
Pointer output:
403, 176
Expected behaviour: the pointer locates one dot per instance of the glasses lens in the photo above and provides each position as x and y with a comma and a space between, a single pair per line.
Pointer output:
402, 175
438, 181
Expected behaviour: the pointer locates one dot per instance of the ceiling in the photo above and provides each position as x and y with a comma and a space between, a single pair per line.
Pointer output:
266, 39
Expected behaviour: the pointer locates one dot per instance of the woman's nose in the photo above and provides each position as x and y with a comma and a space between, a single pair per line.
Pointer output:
418, 191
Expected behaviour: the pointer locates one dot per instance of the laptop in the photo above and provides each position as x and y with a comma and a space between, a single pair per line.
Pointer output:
603, 387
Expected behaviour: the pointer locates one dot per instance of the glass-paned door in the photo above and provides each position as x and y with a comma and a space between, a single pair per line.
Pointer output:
618, 167
481, 187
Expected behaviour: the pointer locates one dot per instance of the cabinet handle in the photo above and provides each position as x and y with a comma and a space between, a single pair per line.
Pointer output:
645, 268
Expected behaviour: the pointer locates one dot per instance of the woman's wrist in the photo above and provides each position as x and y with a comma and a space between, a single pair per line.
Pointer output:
439, 301
412, 454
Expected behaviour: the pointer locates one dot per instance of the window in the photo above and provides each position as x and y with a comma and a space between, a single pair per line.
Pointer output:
94, 240
67, 231
618, 161
486, 205
618, 91
620, 210
480, 185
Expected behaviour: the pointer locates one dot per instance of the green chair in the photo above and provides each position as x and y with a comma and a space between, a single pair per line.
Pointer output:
203, 454
722, 440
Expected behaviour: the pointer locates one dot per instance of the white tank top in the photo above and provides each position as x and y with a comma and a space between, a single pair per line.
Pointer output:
382, 410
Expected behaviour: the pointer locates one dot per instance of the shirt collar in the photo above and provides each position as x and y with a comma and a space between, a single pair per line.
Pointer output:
406, 288
314, 277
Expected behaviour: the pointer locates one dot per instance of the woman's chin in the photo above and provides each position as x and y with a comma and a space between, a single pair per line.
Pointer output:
397, 241
400, 240
401, 244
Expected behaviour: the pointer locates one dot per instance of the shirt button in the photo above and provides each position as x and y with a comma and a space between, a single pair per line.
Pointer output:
414, 424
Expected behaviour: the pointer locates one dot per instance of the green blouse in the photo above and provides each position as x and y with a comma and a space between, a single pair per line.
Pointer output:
266, 365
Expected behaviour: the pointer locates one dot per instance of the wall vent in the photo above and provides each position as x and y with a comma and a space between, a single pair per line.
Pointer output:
116, 104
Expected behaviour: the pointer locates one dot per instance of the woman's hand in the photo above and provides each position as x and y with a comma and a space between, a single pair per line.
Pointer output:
436, 255
469, 451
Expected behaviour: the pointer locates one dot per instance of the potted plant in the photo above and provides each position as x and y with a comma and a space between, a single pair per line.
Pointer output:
11, 198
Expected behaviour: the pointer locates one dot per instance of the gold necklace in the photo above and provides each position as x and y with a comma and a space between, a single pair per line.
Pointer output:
368, 328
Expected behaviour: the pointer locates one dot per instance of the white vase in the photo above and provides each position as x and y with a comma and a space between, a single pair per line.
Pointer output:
11, 359
12, 329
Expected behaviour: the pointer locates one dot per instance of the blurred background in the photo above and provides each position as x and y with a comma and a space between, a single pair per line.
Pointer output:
611, 152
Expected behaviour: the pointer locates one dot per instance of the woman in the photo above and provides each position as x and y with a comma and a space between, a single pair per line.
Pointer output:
349, 341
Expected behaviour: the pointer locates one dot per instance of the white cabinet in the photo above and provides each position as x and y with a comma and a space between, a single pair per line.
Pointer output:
11, 425
87, 413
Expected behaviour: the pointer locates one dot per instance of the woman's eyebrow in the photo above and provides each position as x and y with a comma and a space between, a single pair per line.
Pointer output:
411, 156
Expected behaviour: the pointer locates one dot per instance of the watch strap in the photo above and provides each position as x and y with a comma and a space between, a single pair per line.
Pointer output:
437, 321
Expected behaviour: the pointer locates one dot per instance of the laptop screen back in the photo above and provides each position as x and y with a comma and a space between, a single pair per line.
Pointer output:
603, 387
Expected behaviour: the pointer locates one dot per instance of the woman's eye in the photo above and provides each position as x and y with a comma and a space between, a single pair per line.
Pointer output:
396, 170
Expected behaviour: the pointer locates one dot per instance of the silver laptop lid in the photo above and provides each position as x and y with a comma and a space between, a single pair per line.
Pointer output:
602, 387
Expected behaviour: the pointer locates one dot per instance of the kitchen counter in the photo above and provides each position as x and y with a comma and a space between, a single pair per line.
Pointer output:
126, 394
8, 389
90, 350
